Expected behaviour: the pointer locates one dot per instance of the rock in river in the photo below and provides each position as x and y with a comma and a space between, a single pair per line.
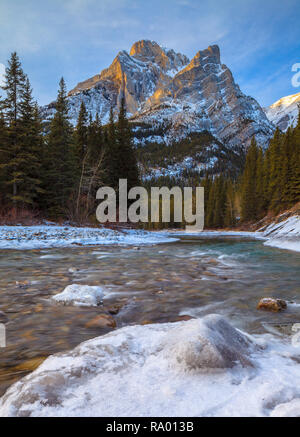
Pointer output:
271, 304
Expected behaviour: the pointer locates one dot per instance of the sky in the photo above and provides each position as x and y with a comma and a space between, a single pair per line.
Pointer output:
259, 39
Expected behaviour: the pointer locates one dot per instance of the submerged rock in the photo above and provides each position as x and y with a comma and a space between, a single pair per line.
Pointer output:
271, 304
102, 321
3, 317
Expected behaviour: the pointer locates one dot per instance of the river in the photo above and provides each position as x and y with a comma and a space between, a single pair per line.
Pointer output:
150, 284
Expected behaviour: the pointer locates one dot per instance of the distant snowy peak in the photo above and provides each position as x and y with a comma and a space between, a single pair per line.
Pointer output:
284, 112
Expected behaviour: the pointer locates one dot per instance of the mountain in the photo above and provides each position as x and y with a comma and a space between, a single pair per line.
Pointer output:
169, 97
284, 112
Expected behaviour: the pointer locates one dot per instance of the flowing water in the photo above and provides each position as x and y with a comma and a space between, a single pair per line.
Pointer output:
192, 277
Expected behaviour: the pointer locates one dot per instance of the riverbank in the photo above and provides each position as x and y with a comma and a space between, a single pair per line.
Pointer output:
53, 236
282, 233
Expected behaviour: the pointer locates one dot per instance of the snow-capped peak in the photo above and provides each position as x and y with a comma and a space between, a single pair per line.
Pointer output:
284, 112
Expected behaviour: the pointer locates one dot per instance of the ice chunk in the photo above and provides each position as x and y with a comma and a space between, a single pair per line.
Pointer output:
81, 295
138, 370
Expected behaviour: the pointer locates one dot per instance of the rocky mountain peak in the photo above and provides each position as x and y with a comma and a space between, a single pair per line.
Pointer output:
145, 49
212, 53
150, 51
165, 88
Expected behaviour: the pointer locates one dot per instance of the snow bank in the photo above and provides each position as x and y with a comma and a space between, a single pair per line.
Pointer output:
213, 234
284, 235
37, 237
201, 367
80, 295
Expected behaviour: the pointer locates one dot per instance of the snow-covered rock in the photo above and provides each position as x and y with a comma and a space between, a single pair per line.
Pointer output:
163, 88
284, 234
201, 367
80, 295
284, 112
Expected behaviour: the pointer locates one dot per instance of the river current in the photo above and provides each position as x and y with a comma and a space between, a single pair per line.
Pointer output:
150, 284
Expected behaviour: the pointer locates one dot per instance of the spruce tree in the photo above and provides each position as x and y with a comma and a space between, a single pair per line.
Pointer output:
127, 162
111, 154
81, 132
4, 157
248, 190
14, 87
230, 213
275, 181
30, 139
61, 162
260, 184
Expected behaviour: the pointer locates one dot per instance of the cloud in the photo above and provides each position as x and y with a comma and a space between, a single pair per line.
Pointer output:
78, 38
2, 73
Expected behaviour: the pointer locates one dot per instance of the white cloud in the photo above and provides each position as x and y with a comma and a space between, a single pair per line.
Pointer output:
2, 73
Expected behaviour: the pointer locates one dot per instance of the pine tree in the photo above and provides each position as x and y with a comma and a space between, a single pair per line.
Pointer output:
295, 163
260, 185
61, 162
275, 181
128, 168
81, 133
4, 157
30, 139
111, 154
14, 87
230, 212
248, 190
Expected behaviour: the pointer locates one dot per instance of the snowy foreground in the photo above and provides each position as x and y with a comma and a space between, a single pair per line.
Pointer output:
202, 367
39, 237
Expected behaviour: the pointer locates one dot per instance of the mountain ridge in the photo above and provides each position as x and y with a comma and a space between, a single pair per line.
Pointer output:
165, 88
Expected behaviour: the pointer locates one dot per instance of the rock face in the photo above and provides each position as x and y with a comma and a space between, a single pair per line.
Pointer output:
163, 88
284, 112
204, 97
137, 74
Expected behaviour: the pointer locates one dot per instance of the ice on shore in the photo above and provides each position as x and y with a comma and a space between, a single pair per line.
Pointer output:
202, 367
39, 237
80, 295
284, 235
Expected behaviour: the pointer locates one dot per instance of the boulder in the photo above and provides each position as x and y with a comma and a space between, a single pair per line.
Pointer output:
271, 304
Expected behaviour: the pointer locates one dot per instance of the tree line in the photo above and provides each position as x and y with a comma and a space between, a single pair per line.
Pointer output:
269, 183
56, 169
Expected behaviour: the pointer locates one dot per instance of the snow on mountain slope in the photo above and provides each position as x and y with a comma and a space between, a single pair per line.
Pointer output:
164, 89
284, 112
136, 74
204, 97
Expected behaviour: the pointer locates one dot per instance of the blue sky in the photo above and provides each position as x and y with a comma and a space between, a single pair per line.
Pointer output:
259, 39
